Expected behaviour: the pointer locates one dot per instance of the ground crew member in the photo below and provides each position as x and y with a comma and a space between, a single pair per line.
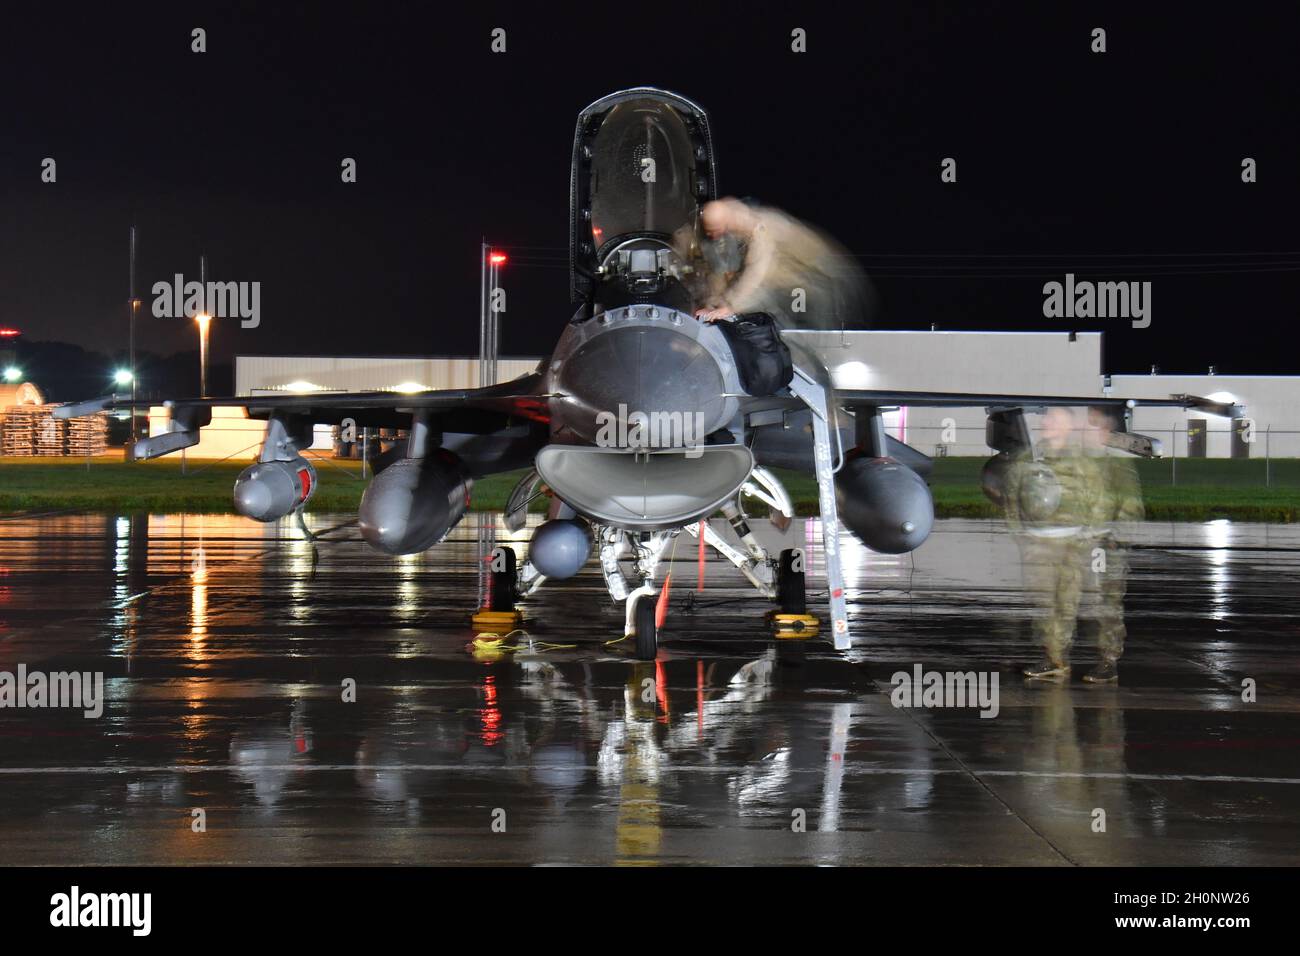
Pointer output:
1120, 500
1049, 505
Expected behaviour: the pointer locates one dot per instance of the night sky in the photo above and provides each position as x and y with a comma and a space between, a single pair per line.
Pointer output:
1122, 165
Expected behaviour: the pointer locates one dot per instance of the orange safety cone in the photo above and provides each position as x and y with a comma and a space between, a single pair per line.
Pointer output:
661, 605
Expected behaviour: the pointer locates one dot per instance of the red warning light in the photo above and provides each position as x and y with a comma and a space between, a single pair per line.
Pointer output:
8, 333
496, 258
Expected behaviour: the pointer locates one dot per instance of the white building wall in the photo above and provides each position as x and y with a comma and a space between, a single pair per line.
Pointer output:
1272, 403
231, 433
1047, 363
1015, 363
257, 374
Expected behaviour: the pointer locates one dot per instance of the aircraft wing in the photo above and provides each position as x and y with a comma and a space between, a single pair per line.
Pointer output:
521, 397
473, 410
883, 398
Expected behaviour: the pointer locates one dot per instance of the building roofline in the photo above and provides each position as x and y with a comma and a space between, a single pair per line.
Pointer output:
404, 358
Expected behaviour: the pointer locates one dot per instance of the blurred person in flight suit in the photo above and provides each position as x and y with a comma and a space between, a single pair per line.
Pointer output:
1051, 498
1120, 500
761, 260
706, 265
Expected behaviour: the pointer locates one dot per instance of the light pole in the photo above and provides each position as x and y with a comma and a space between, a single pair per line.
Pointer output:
489, 319
133, 308
204, 320
483, 296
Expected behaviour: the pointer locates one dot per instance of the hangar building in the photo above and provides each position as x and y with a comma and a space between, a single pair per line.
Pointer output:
1028, 363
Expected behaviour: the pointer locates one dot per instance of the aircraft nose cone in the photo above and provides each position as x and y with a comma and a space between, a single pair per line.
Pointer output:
648, 372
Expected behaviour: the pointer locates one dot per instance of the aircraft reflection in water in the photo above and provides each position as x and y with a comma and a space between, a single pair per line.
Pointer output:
717, 406
699, 756
591, 769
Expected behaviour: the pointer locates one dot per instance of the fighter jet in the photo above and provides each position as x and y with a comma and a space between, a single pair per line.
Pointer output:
644, 421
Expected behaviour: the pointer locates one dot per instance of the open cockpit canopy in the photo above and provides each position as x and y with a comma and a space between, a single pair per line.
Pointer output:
642, 167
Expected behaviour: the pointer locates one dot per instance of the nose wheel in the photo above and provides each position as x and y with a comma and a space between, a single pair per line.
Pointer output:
643, 621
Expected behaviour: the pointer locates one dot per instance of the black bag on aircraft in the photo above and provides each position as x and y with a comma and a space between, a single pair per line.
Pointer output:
762, 358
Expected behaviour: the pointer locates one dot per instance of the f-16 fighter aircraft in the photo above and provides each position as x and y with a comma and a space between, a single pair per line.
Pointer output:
645, 419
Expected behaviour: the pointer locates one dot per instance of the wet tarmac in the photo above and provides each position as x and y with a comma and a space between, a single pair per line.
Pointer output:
226, 648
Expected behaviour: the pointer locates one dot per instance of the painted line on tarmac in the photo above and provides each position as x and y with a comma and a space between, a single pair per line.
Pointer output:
461, 768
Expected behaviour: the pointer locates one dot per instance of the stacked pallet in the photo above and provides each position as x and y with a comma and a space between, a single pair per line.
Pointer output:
19, 436
27, 430
51, 434
88, 435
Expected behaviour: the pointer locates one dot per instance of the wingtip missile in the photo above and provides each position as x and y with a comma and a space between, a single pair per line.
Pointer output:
1227, 409
78, 409
158, 445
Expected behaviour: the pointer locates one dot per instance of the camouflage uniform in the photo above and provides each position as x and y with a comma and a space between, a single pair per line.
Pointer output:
1053, 548
1120, 500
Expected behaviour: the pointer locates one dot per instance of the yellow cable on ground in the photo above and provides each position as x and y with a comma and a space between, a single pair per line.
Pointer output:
490, 641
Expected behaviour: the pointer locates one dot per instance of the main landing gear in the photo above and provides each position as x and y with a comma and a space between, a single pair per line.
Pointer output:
791, 618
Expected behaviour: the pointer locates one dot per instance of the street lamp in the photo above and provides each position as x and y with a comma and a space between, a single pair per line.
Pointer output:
13, 373
134, 305
204, 321
489, 320
123, 377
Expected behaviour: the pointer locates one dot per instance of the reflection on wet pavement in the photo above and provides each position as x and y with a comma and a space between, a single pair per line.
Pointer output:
226, 648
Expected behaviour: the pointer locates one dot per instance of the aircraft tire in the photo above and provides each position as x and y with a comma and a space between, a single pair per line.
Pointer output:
647, 638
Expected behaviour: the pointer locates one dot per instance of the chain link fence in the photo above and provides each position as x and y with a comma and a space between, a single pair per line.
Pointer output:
1263, 457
